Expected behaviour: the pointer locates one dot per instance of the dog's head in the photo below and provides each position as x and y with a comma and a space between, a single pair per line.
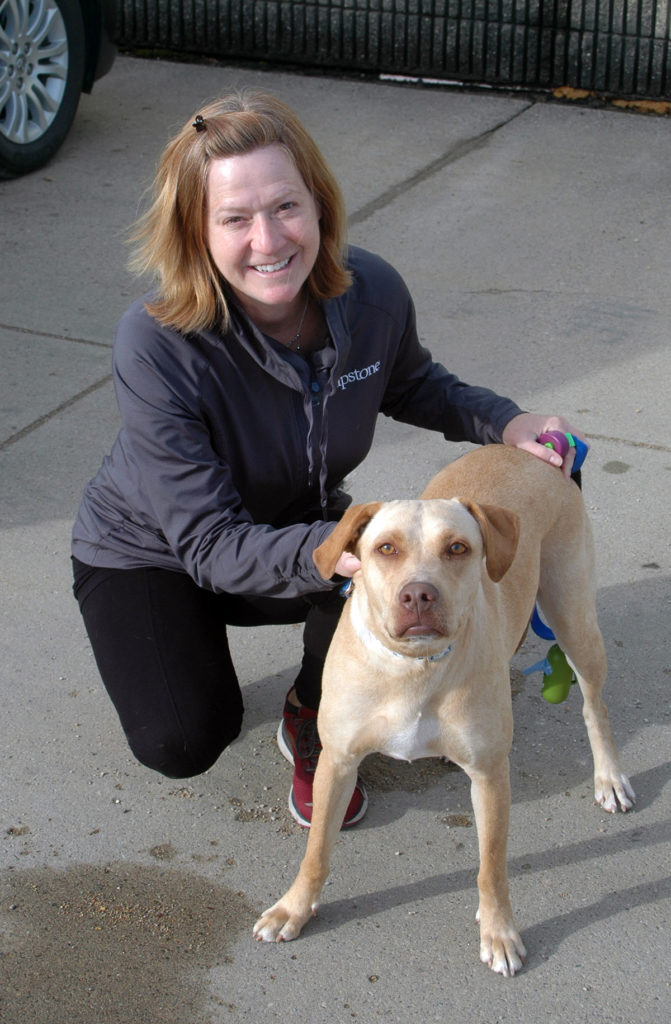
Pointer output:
422, 561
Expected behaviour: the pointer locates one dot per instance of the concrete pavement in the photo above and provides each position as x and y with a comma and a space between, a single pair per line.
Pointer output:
535, 239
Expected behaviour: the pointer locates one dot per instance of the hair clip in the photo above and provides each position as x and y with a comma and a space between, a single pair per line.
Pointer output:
199, 124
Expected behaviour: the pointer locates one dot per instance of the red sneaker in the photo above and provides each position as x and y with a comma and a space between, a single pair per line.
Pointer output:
298, 740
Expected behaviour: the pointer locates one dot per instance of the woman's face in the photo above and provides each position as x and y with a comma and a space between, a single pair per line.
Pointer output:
262, 230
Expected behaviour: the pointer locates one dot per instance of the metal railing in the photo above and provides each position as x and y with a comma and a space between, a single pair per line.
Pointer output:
614, 47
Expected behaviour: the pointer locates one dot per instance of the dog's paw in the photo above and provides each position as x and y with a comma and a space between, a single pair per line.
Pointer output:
615, 793
502, 948
281, 924
505, 956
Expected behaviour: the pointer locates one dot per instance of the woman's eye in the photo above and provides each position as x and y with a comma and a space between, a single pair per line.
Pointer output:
387, 549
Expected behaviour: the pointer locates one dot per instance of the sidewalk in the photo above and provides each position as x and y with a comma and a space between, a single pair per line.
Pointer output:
535, 240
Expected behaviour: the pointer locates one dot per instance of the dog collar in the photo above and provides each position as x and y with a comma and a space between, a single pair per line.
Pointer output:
369, 640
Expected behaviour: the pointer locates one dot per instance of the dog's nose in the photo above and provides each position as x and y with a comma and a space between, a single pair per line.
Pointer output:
418, 596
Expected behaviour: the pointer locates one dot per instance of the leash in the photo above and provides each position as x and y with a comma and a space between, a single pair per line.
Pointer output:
558, 676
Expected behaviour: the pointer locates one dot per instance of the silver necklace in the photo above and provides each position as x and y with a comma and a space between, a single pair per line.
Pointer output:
296, 340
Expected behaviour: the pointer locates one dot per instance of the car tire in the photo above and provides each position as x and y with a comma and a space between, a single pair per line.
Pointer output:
42, 58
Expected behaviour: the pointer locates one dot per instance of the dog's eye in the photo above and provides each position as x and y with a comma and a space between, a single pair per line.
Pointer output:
387, 549
457, 548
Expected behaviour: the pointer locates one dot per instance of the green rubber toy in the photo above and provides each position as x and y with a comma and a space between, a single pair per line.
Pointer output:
558, 681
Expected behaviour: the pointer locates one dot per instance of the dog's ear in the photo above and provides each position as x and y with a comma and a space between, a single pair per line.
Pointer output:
500, 530
344, 537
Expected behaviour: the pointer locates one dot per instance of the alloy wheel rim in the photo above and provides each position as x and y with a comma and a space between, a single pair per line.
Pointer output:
34, 63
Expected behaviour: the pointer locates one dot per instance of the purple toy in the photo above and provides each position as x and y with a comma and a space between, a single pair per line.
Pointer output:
561, 444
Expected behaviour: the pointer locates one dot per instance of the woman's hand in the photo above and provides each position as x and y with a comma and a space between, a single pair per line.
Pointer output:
347, 564
523, 431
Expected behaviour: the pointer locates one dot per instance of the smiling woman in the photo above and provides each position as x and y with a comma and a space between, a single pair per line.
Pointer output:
50, 51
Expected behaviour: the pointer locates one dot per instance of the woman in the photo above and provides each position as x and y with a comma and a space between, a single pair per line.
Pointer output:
249, 384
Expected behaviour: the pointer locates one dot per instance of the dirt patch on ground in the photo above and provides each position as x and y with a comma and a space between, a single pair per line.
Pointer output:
113, 944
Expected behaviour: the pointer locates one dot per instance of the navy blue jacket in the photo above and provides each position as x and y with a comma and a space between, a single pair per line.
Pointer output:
232, 449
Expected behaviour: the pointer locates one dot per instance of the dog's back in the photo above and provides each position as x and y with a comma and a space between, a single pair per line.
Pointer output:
506, 476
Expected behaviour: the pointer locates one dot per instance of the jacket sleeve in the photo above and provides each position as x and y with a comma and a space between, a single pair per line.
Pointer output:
422, 392
186, 491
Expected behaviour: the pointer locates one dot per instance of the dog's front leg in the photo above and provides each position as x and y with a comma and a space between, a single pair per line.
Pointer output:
333, 786
501, 946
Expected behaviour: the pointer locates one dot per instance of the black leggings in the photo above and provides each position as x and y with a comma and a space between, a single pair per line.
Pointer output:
161, 648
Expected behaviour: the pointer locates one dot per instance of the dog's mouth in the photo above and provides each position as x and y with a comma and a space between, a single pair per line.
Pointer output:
423, 626
419, 630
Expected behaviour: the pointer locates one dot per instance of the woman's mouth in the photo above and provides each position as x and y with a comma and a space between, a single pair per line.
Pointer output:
272, 268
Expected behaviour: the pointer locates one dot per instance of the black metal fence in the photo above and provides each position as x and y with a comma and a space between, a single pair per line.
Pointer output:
613, 47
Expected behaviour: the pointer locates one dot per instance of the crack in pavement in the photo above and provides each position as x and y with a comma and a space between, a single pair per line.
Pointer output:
630, 443
457, 152
54, 337
41, 420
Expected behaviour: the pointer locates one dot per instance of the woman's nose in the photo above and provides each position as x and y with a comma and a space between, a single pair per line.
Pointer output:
267, 234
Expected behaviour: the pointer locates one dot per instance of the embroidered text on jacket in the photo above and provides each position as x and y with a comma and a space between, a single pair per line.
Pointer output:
357, 375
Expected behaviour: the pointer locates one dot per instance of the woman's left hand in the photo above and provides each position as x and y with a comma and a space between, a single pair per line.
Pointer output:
347, 564
523, 431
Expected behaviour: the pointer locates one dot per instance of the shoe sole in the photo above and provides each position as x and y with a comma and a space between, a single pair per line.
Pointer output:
295, 813
283, 744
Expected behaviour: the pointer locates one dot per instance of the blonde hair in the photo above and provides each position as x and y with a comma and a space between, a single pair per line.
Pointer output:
170, 237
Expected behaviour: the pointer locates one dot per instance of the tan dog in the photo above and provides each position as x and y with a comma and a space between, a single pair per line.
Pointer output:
419, 664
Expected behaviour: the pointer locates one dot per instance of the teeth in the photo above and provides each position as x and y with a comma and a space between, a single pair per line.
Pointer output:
269, 267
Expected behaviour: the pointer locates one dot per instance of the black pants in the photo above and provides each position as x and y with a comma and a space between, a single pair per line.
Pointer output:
161, 648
